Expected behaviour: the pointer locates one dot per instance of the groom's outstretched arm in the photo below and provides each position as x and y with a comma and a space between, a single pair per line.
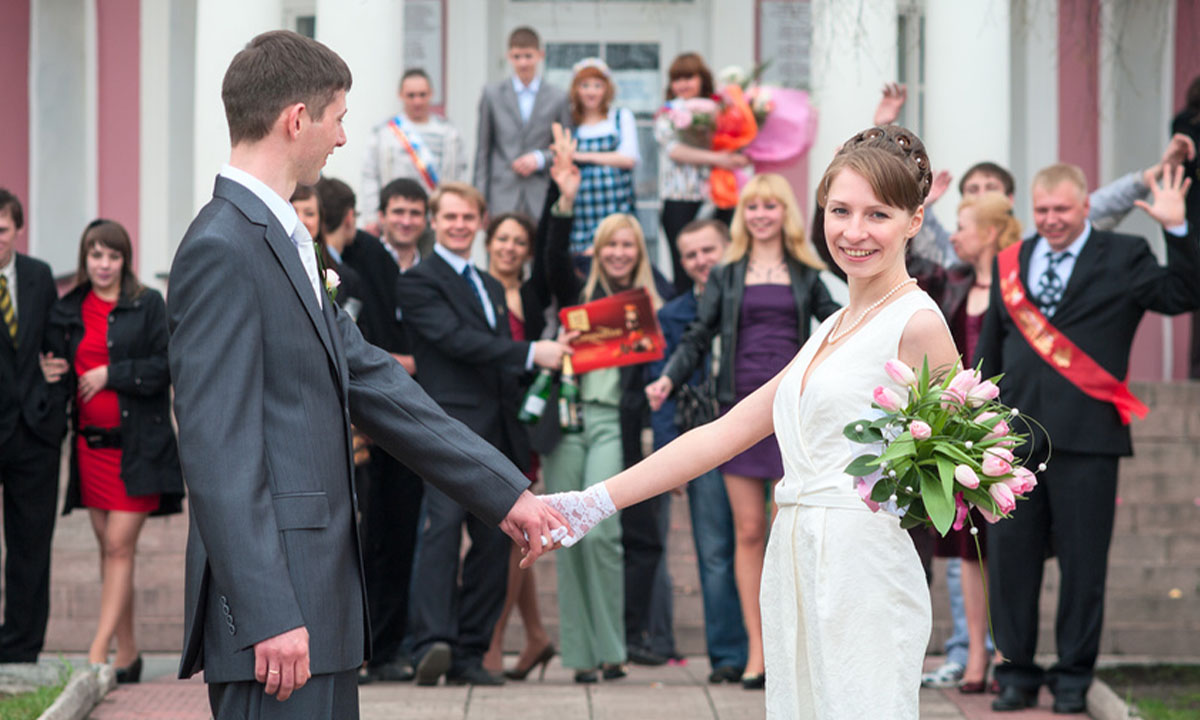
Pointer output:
387, 404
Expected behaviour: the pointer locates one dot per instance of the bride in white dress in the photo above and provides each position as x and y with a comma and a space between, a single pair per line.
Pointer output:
846, 614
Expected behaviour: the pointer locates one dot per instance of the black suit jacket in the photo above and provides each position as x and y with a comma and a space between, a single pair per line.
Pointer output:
471, 369
378, 271
1116, 279
24, 393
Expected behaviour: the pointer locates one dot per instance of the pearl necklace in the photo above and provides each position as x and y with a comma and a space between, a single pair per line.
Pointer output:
834, 336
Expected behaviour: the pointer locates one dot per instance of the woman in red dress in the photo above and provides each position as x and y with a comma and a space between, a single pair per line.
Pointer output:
112, 333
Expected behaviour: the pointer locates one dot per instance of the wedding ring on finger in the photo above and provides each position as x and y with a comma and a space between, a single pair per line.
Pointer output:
272, 672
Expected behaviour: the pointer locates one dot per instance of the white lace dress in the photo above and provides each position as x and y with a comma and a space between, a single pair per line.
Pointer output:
846, 615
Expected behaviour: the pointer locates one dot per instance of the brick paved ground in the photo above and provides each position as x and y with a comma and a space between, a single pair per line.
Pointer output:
647, 694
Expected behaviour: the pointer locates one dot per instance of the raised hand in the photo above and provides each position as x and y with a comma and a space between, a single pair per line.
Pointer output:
564, 172
1179, 150
1169, 208
583, 510
888, 109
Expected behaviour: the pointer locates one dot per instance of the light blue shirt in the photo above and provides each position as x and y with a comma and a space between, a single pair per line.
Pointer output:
526, 95
459, 264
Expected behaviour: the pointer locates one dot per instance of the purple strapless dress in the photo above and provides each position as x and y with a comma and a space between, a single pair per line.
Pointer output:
766, 343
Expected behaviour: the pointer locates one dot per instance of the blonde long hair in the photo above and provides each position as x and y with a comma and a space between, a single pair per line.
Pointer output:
643, 276
795, 243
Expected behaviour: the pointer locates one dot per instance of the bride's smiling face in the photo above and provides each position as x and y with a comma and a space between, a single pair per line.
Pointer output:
865, 236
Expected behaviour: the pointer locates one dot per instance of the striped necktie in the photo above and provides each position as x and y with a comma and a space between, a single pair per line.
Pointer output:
7, 311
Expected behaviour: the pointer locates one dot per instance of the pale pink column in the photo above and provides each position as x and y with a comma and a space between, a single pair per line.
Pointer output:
117, 113
1079, 86
14, 88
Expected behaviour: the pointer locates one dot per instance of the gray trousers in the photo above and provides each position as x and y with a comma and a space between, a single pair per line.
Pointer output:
323, 697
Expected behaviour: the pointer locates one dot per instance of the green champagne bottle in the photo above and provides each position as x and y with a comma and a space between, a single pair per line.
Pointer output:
534, 402
570, 416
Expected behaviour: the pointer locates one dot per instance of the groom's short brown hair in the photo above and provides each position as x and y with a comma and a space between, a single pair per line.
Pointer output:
274, 70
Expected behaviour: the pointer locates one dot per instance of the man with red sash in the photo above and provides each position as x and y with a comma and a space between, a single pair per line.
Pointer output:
1064, 307
416, 143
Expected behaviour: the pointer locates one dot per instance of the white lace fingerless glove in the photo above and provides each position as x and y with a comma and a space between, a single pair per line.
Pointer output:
583, 510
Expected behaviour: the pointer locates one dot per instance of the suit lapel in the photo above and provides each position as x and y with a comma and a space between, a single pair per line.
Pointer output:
458, 288
285, 252
499, 303
1089, 258
26, 291
508, 98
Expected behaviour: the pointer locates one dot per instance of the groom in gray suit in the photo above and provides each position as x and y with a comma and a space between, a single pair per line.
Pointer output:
268, 376
513, 144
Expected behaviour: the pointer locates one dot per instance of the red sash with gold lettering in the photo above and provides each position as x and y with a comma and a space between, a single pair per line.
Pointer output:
1055, 348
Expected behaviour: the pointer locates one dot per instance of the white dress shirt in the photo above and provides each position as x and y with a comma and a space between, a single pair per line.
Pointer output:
288, 219
526, 95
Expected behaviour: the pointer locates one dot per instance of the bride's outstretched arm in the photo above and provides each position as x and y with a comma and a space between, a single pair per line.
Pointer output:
696, 452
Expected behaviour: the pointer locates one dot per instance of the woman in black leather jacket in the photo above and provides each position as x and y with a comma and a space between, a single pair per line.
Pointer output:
760, 303
112, 332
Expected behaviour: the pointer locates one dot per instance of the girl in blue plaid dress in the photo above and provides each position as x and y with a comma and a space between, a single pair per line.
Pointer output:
607, 153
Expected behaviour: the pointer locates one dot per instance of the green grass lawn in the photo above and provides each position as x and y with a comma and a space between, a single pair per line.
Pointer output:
1157, 692
28, 706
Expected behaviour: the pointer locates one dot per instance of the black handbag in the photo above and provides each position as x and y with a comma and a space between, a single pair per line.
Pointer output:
695, 405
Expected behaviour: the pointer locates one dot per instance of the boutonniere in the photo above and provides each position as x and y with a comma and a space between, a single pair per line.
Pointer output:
332, 281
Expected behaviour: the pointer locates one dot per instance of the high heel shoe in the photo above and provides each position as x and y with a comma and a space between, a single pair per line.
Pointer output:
757, 681
131, 673
543, 659
976, 687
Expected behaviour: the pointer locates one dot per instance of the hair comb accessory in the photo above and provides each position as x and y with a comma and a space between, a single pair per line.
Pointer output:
592, 62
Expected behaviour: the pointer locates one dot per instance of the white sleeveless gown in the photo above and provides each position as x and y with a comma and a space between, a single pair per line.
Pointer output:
846, 615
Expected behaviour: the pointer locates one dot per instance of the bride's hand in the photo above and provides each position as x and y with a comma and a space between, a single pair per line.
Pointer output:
583, 509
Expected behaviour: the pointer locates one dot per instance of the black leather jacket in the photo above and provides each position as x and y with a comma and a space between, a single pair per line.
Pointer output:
137, 371
720, 311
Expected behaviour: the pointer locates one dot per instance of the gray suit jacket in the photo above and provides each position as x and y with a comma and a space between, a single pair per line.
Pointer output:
503, 137
266, 386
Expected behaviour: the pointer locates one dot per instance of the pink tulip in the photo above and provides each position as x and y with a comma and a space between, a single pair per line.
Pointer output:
981, 393
1022, 481
920, 430
901, 373
960, 512
1003, 453
994, 466
985, 416
864, 491
964, 381
999, 430
1003, 495
966, 476
887, 399
988, 515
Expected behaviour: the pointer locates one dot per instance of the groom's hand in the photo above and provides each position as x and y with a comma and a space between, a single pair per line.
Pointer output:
281, 662
531, 518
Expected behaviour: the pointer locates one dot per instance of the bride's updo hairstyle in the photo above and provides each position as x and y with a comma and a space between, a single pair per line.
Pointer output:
893, 162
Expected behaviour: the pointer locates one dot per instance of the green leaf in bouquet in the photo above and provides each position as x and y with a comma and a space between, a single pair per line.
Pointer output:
883, 490
979, 496
939, 502
867, 435
951, 451
946, 473
862, 466
901, 447
915, 517
923, 378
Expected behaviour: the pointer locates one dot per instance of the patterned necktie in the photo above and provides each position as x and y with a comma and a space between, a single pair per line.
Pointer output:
7, 310
466, 273
1050, 286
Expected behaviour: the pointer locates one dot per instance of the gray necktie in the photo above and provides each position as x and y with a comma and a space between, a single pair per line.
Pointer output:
1050, 286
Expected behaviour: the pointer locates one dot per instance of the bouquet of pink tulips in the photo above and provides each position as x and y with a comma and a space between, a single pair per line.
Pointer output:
947, 448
